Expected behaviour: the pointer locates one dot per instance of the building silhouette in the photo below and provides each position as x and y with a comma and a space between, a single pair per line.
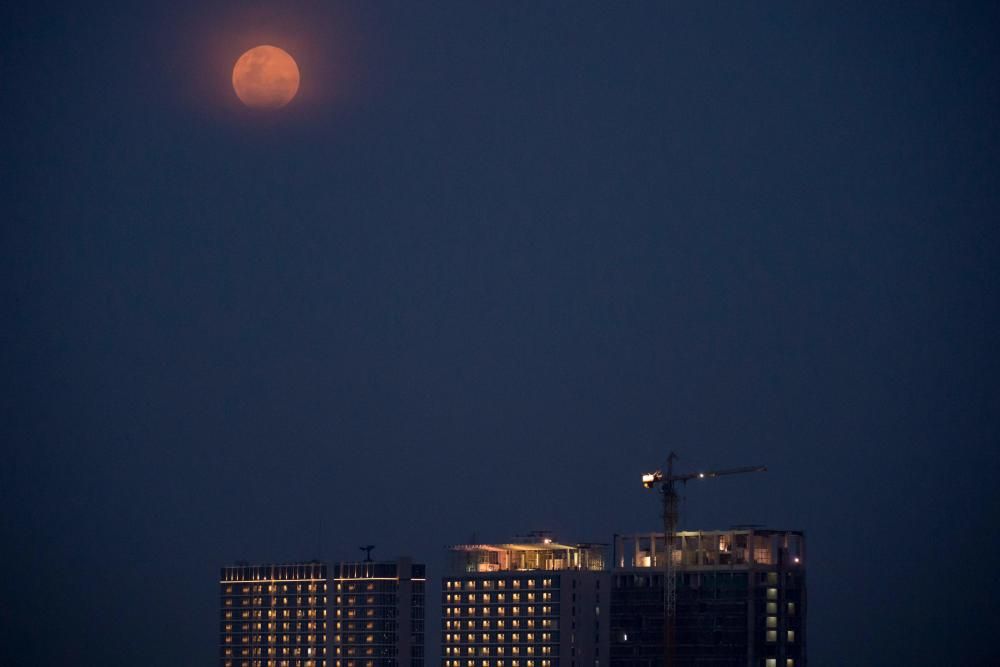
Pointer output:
530, 603
378, 614
741, 599
350, 614
274, 615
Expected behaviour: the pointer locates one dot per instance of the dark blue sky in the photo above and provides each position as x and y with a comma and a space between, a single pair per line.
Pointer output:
493, 263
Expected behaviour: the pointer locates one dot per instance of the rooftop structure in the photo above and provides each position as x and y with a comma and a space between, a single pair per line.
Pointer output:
741, 598
538, 551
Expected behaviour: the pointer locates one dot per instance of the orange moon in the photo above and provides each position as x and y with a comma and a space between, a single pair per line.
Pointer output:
266, 77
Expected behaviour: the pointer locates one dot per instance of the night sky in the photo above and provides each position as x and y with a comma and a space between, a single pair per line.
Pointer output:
494, 262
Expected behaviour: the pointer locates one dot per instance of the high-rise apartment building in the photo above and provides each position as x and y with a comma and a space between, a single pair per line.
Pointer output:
530, 603
368, 614
741, 599
274, 615
378, 614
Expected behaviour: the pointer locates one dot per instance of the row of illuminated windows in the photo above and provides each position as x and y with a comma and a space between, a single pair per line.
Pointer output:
384, 587
279, 613
287, 626
242, 573
486, 598
383, 638
385, 626
773, 662
487, 584
351, 626
498, 650
386, 651
508, 610
275, 663
382, 651
378, 598
275, 601
497, 663
369, 586
772, 636
248, 614
274, 651
486, 624
274, 639
499, 637
246, 589
354, 613
500, 612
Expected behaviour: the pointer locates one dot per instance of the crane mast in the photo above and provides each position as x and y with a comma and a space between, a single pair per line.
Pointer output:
670, 516
668, 491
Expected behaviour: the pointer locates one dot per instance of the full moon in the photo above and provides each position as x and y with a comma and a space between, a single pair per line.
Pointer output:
266, 77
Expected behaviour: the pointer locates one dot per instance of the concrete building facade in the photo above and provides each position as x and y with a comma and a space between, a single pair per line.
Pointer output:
530, 603
378, 614
273, 615
367, 614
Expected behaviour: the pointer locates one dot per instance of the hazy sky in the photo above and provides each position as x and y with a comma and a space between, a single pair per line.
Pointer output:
493, 263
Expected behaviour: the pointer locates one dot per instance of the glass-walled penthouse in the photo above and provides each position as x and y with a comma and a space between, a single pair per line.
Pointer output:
537, 552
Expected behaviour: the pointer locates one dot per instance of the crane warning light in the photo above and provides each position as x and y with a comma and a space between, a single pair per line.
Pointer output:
649, 479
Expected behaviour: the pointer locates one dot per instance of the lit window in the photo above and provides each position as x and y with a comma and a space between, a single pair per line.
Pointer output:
772, 621
772, 593
791, 636
772, 635
771, 662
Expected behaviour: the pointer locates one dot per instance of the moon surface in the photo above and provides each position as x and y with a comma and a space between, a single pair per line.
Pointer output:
266, 77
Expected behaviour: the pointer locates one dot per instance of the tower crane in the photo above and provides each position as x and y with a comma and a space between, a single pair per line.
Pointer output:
668, 489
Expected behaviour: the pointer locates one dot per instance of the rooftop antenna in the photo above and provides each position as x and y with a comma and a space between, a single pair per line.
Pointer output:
368, 552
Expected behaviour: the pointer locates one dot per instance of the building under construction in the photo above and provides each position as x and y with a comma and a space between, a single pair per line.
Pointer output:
741, 599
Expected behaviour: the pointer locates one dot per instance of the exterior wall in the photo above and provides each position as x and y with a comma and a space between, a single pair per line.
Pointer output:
309, 615
273, 615
524, 619
741, 599
378, 614
586, 617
